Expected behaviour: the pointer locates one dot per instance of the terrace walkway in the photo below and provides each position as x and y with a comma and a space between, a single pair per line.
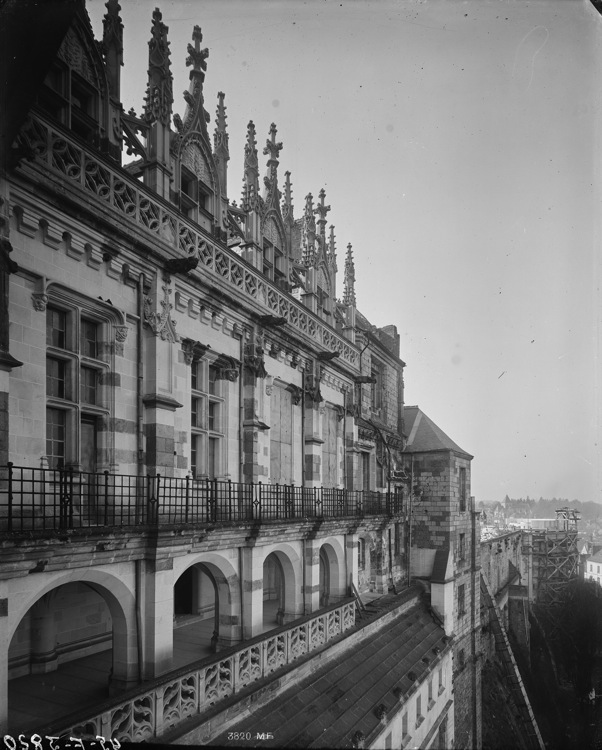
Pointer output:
35, 701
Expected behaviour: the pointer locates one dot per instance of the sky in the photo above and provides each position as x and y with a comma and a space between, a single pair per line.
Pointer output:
458, 142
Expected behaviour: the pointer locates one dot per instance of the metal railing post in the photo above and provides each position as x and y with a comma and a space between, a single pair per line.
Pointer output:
106, 473
10, 496
187, 495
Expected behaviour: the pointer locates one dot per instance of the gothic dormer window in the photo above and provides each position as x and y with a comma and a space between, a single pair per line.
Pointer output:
70, 99
196, 198
268, 259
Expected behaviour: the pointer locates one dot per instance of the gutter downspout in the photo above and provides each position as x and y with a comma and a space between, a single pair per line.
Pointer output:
345, 439
140, 461
241, 409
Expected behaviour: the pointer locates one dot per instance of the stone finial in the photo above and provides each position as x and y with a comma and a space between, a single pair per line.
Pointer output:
309, 233
287, 206
321, 210
159, 93
220, 137
272, 150
250, 194
220, 143
349, 280
332, 254
112, 29
197, 57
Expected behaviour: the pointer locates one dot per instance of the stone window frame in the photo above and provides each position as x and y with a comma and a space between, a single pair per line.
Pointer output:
461, 599
78, 309
419, 716
201, 369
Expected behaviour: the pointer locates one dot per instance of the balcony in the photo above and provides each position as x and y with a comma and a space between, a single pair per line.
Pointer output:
59, 499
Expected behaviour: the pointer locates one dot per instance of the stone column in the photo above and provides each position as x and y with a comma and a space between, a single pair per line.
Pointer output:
43, 636
251, 577
157, 616
312, 576
4, 643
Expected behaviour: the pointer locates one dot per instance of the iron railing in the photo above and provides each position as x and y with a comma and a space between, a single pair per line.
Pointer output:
54, 499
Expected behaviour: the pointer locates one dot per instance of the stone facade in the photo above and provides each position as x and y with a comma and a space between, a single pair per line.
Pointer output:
192, 422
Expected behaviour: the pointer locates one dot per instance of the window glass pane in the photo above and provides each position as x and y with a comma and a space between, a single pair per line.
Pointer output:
55, 437
213, 416
56, 328
89, 342
213, 381
196, 412
55, 378
213, 458
88, 385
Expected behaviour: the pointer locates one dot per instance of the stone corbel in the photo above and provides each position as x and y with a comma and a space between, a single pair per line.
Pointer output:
121, 334
254, 360
296, 393
193, 350
227, 368
311, 382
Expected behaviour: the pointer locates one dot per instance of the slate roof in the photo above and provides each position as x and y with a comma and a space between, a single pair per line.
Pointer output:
597, 558
328, 707
424, 436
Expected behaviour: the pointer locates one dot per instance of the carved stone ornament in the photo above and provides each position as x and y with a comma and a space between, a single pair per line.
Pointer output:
296, 393
161, 324
193, 350
227, 368
121, 333
254, 360
340, 411
40, 300
311, 384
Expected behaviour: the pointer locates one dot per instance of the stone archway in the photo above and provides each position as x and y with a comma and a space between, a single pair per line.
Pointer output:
333, 584
281, 585
207, 603
80, 622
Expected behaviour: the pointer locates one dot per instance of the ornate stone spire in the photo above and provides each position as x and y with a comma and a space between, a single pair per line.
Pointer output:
197, 57
112, 45
195, 117
321, 210
272, 151
332, 255
159, 93
287, 205
349, 282
220, 143
308, 248
250, 189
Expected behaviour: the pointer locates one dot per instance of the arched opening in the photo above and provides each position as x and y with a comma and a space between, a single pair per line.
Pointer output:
324, 579
203, 613
273, 592
70, 651
333, 583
